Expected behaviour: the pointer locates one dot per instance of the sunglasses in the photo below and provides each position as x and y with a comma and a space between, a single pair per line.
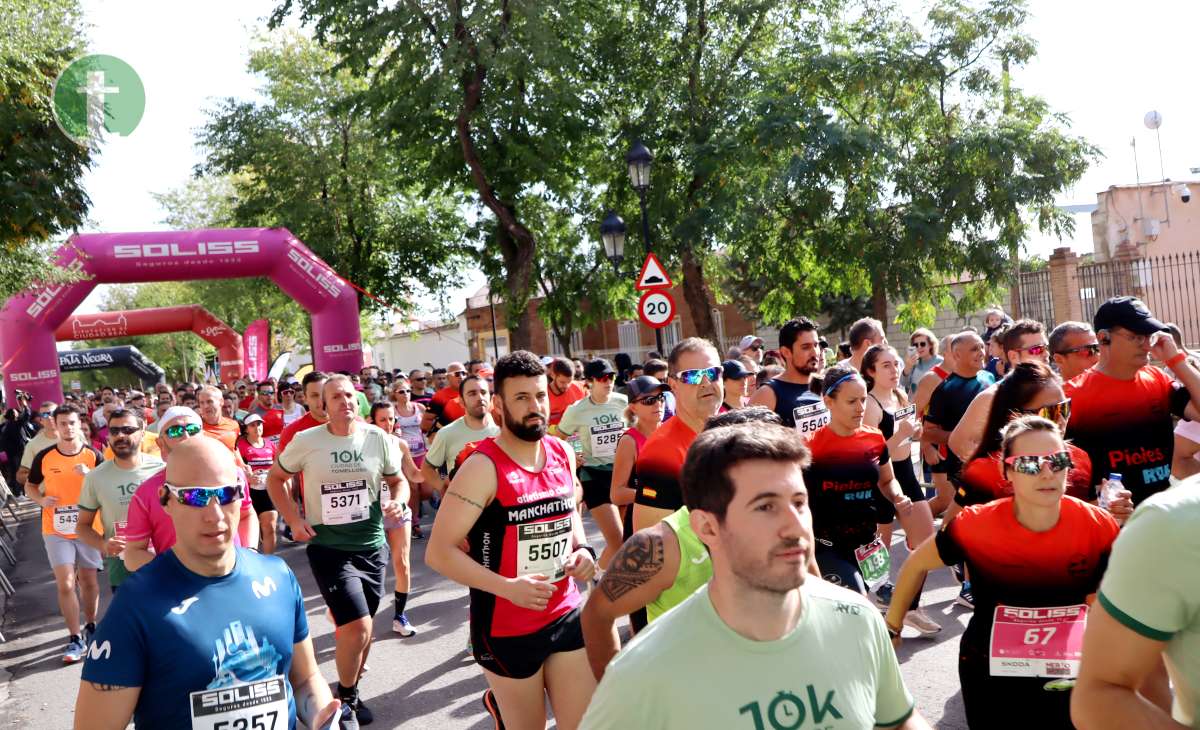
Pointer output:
419, 380
179, 429
920, 344
45, 414
756, 348
603, 378
651, 400
123, 430
1092, 349
203, 496
1031, 464
697, 376
1052, 412
401, 390
1034, 349
459, 373
266, 392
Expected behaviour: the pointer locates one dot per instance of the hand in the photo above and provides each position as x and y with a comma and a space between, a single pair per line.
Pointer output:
909, 362
580, 565
903, 505
1121, 507
81, 469
301, 530
325, 718
394, 510
930, 454
1162, 346
905, 428
49, 501
896, 642
530, 591
114, 545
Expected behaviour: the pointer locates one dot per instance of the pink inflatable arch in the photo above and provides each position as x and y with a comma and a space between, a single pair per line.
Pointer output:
28, 321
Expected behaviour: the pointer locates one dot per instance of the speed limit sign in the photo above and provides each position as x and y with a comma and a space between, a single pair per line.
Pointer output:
656, 309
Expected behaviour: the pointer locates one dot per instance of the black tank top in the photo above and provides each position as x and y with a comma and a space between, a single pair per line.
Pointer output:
789, 397
903, 468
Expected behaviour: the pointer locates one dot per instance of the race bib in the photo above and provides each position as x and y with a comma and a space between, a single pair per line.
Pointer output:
416, 444
605, 438
543, 547
65, 519
1037, 642
905, 412
874, 562
810, 418
121, 530
345, 502
259, 479
260, 705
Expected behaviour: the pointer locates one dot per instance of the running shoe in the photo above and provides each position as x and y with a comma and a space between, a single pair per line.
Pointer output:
958, 572
361, 712
920, 621
493, 709
347, 720
883, 595
400, 625
965, 597
417, 534
89, 630
74, 651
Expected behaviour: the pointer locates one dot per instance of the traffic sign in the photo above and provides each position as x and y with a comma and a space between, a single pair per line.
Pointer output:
653, 275
656, 309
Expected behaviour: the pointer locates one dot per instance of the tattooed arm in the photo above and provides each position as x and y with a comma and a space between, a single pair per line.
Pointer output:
644, 567
104, 706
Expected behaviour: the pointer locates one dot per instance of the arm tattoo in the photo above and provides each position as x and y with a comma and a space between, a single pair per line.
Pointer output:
638, 560
468, 500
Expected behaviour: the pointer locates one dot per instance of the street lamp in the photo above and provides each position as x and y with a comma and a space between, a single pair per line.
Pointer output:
612, 234
639, 161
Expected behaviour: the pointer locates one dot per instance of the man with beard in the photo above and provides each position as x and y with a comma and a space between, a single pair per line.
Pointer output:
766, 628
266, 408
513, 501
800, 347
564, 389
442, 409
110, 487
452, 444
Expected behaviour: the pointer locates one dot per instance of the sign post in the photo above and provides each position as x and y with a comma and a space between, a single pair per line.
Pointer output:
656, 308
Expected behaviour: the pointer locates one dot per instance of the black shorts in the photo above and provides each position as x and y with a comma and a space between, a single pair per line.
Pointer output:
1007, 702
885, 511
520, 657
597, 486
261, 499
839, 568
351, 581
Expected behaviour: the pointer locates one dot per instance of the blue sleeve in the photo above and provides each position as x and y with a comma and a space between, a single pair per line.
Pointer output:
118, 652
301, 630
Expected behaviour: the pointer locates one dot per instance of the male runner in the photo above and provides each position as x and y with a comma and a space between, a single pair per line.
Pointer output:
799, 345
109, 488
1074, 347
513, 501
310, 389
864, 334
207, 636
344, 464
55, 480
950, 400
266, 408
564, 390
420, 387
446, 452
753, 648
45, 437
440, 411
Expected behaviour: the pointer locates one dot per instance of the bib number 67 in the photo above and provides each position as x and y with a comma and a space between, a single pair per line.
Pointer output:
1039, 636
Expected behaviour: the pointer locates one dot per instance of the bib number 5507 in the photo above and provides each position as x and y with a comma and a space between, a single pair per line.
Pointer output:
547, 551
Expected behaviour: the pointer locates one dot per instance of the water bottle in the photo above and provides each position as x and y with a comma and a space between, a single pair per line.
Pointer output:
1109, 489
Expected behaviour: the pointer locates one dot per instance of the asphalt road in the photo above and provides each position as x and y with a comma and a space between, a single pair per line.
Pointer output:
424, 681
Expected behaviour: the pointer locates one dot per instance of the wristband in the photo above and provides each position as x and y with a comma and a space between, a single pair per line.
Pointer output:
1179, 357
589, 548
895, 633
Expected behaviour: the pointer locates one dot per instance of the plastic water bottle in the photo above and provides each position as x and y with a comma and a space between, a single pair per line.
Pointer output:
1109, 489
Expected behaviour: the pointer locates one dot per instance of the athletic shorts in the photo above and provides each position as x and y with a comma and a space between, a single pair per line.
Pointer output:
597, 486
261, 499
839, 569
65, 551
885, 511
520, 657
350, 581
1004, 702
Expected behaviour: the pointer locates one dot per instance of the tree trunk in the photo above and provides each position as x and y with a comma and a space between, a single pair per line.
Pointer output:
518, 269
699, 302
879, 300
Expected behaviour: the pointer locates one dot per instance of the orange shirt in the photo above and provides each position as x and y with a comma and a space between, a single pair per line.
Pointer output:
226, 431
659, 464
55, 472
560, 403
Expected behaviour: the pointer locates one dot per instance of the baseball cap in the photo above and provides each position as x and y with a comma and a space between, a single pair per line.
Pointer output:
1127, 312
598, 367
747, 341
735, 370
645, 385
252, 418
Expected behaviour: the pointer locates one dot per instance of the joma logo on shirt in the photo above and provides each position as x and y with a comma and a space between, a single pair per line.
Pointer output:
345, 456
1139, 457
787, 710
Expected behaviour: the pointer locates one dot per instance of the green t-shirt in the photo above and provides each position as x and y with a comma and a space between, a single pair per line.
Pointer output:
364, 405
109, 488
342, 478
599, 425
695, 569
453, 438
1152, 586
835, 671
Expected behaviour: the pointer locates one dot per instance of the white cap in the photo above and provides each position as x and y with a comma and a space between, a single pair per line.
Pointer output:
175, 413
748, 340
252, 418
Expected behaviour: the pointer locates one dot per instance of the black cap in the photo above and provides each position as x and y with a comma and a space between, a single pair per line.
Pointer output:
596, 368
645, 385
1127, 312
735, 370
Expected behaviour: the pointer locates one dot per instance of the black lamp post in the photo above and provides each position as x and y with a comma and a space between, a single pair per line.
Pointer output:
612, 235
639, 161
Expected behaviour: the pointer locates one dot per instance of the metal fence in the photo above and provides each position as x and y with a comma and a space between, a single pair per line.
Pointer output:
1037, 301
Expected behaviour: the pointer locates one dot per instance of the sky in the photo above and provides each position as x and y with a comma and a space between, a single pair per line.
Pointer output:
1103, 63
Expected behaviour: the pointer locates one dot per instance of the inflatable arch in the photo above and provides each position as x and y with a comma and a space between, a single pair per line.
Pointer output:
28, 321
156, 320
121, 356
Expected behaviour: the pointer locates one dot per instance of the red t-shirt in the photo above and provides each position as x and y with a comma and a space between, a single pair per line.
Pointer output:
560, 403
842, 479
442, 404
660, 463
982, 480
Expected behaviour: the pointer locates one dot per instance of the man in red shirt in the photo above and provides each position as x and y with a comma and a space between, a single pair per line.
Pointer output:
442, 408
563, 389
311, 387
265, 407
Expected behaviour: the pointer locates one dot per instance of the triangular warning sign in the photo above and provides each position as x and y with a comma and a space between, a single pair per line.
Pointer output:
653, 275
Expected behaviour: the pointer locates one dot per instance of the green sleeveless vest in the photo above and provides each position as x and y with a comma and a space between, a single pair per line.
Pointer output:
695, 568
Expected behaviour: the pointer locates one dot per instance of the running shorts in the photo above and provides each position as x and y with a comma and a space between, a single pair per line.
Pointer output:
350, 581
597, 486
65, 551
520, 657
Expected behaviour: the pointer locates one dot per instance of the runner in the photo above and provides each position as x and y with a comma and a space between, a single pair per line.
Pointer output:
440, 380
421, 394
344, 464
950, 400
752, 347
513, 501
563, 389
799, 345
597, 422
1121, 409
446, 453
45, 437
259, 453
766, 632
932, 455
225, 430
695, 380
1034, 559
409, 416
736, 377
311, 388
865, 334
108, 490
292, 411
440, 411
54, 483
645, 412
657, 368
209, 636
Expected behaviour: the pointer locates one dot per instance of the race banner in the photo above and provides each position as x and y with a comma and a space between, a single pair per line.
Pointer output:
257, 344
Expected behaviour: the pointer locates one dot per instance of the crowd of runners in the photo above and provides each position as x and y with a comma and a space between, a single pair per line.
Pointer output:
748, 502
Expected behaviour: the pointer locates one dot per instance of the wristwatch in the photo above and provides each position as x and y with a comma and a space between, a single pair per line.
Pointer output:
589, 548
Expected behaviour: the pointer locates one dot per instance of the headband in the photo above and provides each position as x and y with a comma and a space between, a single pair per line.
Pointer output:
833, 386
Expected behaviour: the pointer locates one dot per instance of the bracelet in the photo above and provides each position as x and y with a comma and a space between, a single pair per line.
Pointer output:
1179, 357
895, 633
589, 548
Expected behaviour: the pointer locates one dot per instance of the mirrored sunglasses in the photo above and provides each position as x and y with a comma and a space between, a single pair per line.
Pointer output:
697, 376
1092, 349
1034, 349
1052, 412
1031, 464
177, 430
203, 496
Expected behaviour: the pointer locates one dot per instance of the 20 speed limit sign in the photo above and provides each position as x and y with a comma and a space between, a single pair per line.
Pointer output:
656, 309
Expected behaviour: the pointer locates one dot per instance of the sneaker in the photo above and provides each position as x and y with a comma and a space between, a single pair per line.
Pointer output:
361, 712
965, 597
958, 572
883, 595
417, 534
400, 625
347, 720
493, 709
89, 630
920, 621
74, 651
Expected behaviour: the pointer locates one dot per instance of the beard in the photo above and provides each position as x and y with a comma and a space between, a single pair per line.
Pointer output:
766, 574
524, 430
124, 451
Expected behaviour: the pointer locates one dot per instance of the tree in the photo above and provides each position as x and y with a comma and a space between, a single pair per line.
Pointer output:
41, 169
